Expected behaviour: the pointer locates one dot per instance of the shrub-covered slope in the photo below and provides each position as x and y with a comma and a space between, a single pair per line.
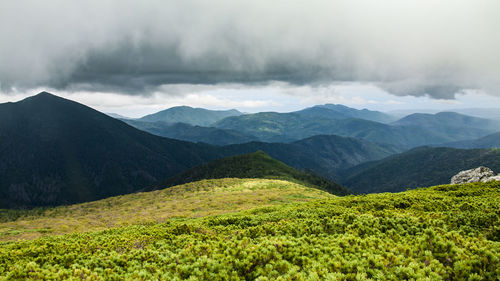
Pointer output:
196, 199
254, 165
439, 233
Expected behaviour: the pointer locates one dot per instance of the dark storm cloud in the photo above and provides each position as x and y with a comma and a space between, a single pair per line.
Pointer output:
427, 47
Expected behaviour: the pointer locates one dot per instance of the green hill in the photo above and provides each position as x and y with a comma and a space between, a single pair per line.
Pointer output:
424, 166
192, 200
439, 233
55, 151
189, 115
254, 165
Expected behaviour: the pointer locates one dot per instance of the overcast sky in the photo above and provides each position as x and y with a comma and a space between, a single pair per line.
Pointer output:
135, 57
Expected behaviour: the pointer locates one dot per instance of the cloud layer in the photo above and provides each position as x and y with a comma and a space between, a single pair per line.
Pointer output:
413, 47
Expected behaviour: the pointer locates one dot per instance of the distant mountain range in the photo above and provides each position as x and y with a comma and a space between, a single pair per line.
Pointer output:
254, 165
233, 127
451, 124
489, 141
323, 154
406, 133
189, 115
419, 167
192, 133
365, 114
55, 151
487, 113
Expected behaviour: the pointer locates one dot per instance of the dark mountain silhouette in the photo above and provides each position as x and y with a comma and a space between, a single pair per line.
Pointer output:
55, 151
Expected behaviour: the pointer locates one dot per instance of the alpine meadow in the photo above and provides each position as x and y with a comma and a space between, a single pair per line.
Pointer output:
250, 140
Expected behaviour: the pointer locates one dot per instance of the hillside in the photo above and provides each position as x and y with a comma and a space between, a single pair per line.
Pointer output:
489, 141
366, 114
254, 165
438, 233
189, 115
289, 127
424, 166
56, 151
323, 155
186, 132
449, 124
192, 200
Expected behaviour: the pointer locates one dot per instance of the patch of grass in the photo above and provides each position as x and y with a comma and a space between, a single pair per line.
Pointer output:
197, 199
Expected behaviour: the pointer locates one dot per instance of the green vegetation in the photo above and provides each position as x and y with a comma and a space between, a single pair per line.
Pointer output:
189, 115
419, 167
55, 151
288, 127
489, 141
197, 199
439, 233
187, 132
254, 165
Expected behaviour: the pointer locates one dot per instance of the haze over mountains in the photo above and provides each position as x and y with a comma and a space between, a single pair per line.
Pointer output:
56, 151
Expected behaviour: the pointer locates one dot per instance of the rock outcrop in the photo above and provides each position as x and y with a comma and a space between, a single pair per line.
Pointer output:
480, 174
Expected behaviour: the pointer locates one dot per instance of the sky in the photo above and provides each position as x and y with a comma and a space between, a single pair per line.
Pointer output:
138, 57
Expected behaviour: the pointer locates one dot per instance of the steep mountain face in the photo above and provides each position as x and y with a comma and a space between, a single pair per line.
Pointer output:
189, 115
254, 165
289, 127
489, 141
452, 125
419, 167
186, 132
324, 155
55, 151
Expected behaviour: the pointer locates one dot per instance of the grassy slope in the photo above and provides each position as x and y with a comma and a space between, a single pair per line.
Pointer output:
254, 165
198, 199
439, 233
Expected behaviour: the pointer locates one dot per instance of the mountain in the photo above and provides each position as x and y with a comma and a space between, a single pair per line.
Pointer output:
451, 125
254, 165
55, 151
423, 166
289, 127
186, 132
489, 141
366, 114
189, 115
322, 154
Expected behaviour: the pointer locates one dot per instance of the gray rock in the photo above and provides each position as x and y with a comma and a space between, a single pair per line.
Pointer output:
472, 175
494, 178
